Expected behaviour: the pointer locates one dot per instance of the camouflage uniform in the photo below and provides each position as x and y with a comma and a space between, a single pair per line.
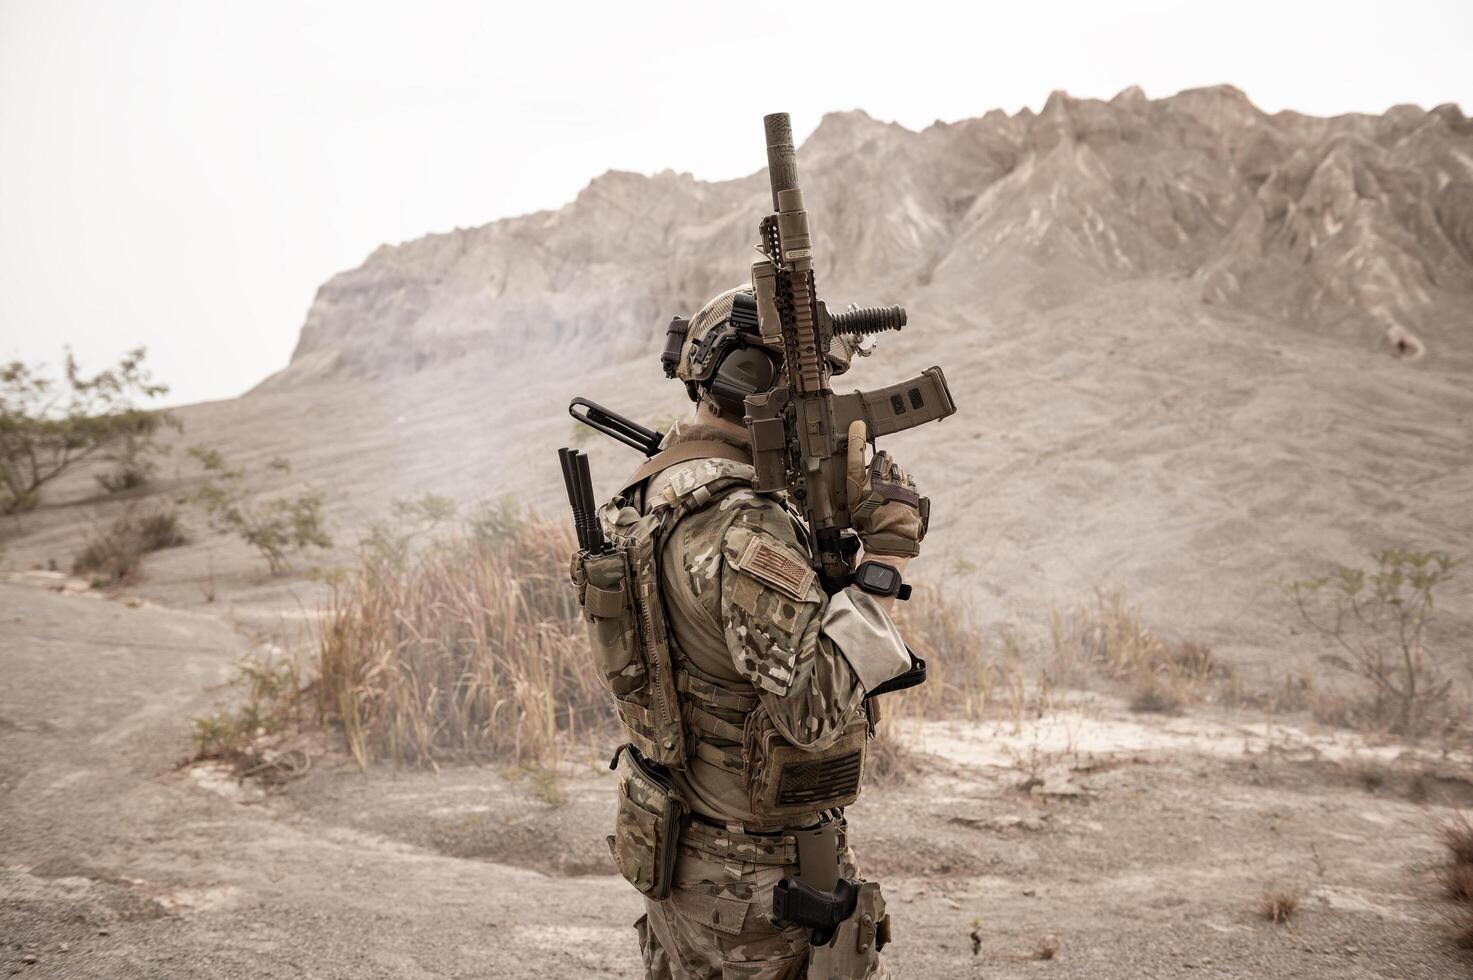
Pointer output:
752, 639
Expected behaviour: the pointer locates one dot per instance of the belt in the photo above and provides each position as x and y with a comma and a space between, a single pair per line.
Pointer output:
724, 843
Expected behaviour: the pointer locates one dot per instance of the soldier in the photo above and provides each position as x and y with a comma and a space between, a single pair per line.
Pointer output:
771, 675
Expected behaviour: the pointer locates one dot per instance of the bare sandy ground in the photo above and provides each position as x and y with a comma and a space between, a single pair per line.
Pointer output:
1138, 843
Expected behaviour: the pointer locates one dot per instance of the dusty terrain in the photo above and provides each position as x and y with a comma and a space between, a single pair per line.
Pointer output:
1140, 844
1170, 327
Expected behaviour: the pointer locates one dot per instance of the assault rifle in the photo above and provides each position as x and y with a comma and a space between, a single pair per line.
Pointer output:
801, 429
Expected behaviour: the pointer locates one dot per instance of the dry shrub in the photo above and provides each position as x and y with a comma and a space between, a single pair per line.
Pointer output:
889, 761
115, 554
1376, 620
1457, 882
242, 736
1110, 638
1457, 878
1373, 775
472, 647
1462, 927
122, 479
1046, 948
1457, 836
1277, 905
1154, 694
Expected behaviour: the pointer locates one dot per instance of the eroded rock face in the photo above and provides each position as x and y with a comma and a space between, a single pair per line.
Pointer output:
1357, 226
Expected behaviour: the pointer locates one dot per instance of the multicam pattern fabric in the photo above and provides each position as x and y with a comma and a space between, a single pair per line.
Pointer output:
647, 829
750, 627
717, 927
745, 620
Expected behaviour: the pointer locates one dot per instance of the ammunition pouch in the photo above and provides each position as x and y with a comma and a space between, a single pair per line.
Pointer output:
604, 592
647, 829
788, 782
618, 590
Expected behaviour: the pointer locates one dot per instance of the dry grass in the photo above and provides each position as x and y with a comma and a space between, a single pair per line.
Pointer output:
1277, 905
1457, 878
1110, 638
1457, 837
453, 641
1457, 882
1046, 948
889, 761
473, 647
963, 676
1462, 927
1154, 694
469, 644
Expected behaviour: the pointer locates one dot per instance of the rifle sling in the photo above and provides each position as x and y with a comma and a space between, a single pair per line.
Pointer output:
684, 452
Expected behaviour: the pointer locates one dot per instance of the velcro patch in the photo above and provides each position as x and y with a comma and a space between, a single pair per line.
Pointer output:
777, 568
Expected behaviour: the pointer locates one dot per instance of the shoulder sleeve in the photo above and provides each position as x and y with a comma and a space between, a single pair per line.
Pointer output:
772, 610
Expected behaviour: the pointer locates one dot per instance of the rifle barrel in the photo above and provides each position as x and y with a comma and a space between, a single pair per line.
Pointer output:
782, 157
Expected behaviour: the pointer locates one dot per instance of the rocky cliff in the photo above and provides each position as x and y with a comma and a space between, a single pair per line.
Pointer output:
1358, 227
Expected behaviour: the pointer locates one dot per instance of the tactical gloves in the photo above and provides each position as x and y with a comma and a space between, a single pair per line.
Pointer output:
884, 505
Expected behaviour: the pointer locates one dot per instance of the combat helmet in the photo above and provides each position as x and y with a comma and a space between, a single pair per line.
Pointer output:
723, 352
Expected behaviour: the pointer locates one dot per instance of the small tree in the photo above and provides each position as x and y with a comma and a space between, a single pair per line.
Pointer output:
274, 526
46, 427
391, 541
1378, 619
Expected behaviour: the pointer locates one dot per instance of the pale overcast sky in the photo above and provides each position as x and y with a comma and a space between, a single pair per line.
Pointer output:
184, 174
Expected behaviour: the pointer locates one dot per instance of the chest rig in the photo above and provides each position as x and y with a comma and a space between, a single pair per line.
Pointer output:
629, 632
670, 711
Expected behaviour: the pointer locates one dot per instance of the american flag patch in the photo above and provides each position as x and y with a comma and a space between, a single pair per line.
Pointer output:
777, 568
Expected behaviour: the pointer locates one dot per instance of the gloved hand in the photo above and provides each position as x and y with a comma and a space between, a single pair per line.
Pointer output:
884, 506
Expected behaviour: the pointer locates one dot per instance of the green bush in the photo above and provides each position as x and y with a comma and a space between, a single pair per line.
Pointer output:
274, 526
1377, 619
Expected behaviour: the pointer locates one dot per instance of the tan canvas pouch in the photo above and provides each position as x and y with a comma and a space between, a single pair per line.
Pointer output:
647, 827
612, 633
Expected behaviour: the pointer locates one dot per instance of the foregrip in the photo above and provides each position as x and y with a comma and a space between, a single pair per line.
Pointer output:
869, 319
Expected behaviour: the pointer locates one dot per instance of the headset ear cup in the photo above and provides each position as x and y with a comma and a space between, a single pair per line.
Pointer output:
741, 372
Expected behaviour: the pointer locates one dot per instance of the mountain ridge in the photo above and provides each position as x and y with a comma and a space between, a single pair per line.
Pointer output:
1356, 225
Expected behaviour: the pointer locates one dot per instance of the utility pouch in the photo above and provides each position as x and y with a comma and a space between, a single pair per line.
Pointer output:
604, 591
786, 781
647, 829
